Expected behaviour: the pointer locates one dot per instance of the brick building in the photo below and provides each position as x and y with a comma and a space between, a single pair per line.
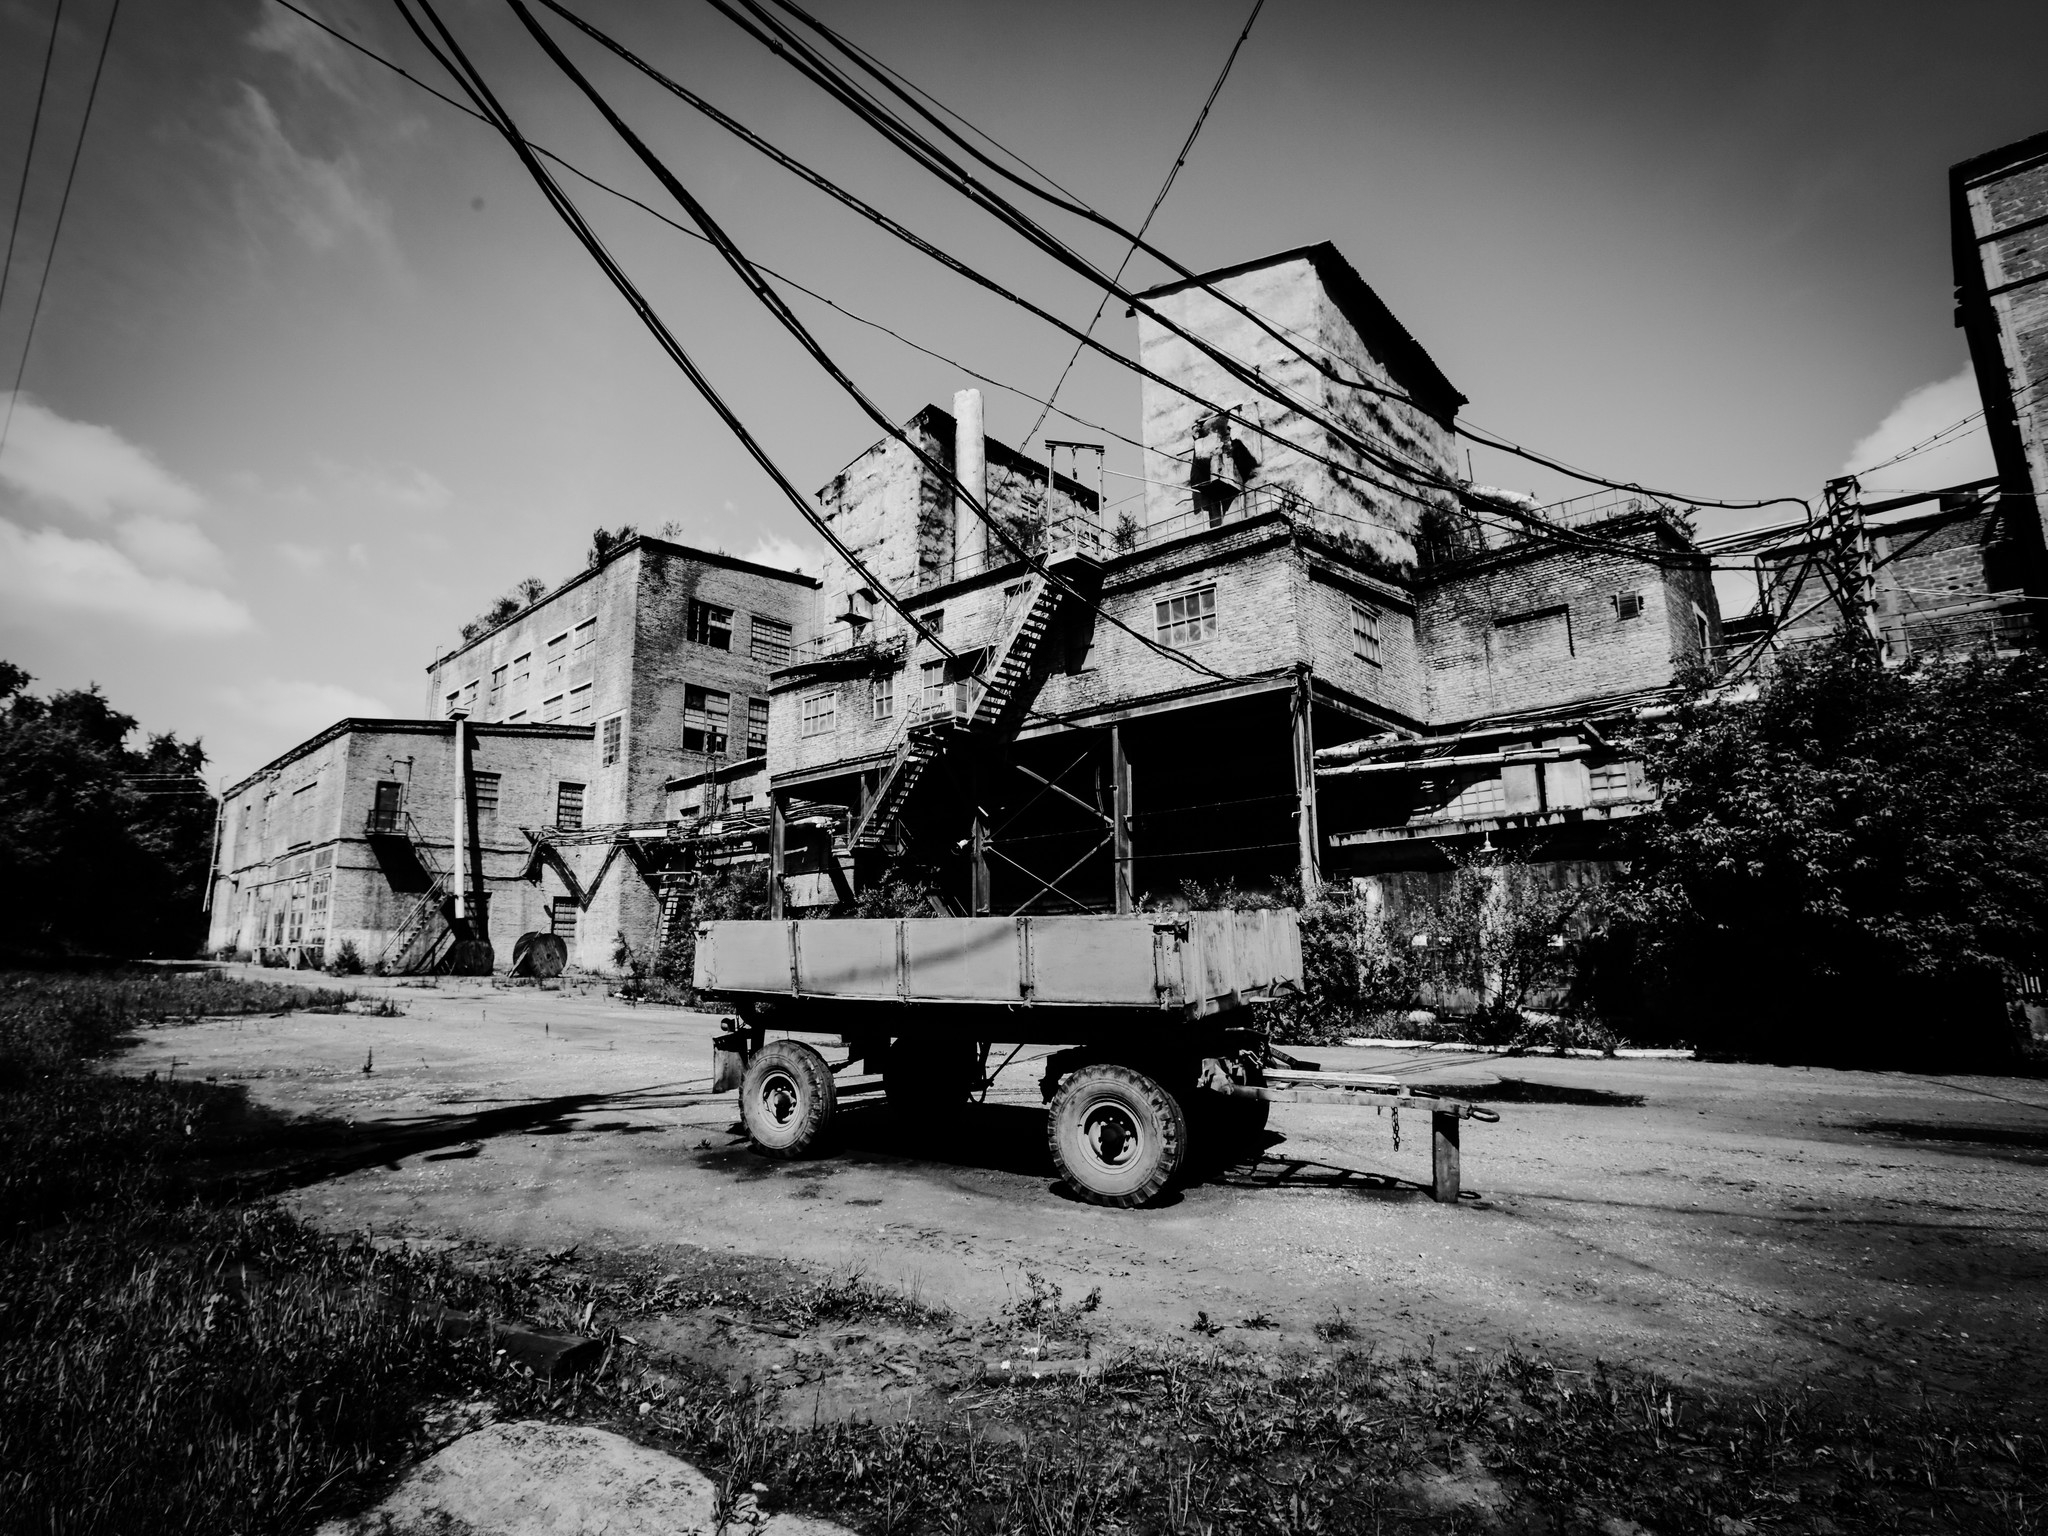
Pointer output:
1356, 657
650, 666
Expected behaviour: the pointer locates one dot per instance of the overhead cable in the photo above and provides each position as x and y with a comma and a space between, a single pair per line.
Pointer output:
773, 302
459, 68
35, 127
1166, 186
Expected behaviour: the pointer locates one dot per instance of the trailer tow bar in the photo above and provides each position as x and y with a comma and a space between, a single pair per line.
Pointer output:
1286, 1085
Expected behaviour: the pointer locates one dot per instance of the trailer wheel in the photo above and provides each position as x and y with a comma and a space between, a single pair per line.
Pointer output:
787, 1098
1116, 1134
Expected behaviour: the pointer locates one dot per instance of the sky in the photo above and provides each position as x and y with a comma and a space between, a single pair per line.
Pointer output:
316, 374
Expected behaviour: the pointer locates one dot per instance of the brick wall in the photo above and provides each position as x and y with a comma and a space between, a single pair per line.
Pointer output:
1543, 626
2009, 329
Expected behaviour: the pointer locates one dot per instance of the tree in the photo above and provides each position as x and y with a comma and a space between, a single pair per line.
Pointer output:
1848, 864
105, 848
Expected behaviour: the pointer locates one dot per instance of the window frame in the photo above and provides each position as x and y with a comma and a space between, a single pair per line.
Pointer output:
1366, 640
486, 808
882, 696
814, 720
563, 797
757, 714
779, 643
711, 735
611, 740
1191, 625
706, 622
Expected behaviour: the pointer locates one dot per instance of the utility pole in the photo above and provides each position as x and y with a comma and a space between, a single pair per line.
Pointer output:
1855, 560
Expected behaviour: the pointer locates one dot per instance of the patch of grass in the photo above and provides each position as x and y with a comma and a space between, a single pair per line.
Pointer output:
50, 1018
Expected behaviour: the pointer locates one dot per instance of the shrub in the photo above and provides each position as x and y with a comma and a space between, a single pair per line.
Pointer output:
348, 961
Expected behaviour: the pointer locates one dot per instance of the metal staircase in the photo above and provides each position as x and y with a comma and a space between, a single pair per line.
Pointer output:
918, 747
404, 954
1003, 679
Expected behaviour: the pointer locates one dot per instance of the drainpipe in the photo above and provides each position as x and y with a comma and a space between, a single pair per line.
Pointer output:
460, 820
970, 468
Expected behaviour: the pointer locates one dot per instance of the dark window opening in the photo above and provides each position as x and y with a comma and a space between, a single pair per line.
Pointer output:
711, 626
569, 807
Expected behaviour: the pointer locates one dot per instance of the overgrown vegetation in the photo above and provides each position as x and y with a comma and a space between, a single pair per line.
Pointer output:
523, 596
105, 845
725, 891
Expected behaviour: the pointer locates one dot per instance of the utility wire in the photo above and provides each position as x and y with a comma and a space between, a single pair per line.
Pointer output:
35, 126
683, 229
479, 93
765, 294
1166, 186
56, 232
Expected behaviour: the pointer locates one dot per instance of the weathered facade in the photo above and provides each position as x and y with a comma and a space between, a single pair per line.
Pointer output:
1151, 709
581, 709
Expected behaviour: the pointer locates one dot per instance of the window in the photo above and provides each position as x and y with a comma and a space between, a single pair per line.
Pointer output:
518, 717
820, 714
384, 811
1628, 605
551, 709
882, 695
932, 693
568, 807
757, 727
469, 695
497, 686
522, 668
1615, 781
579, 701
302, 814
611, 740
1189, 617
296, 909
706, 713
935, 621
454, 700
1699, 619
316, 910
1365, 633
562, 919
768, 641
486, 787
711, 626
557, 650
585, 636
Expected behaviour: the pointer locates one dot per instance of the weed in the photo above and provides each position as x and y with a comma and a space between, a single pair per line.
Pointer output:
1043, 1311
383, 1008
1204, 1327
1336, 1328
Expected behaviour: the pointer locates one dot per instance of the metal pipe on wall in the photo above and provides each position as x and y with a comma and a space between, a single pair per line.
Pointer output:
970, 468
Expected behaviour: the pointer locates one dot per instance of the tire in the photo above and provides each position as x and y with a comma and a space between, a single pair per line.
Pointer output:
787, 1098
1117, 1136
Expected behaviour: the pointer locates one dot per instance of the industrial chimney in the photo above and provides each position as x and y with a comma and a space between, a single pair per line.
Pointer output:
970, 468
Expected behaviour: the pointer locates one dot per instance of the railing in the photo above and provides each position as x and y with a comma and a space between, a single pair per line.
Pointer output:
1604, 506
1039, 535
1253, 501
846, 647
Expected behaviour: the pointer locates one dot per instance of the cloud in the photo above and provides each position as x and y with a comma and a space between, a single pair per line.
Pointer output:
325, 202
304, 45
87, 469
293, 709
307, 557
51, 573
786, 554
1957, 457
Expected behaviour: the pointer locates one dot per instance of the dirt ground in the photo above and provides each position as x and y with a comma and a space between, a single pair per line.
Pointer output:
1717, 1223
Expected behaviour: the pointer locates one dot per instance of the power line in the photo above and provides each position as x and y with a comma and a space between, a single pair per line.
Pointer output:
479, 93
683, 229
1166, 186
765, 294
56, 232
35, 126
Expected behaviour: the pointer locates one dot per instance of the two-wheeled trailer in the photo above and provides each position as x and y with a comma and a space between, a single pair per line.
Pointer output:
1164, 1066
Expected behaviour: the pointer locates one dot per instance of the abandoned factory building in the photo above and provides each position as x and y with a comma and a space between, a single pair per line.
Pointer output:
1280, 666
1291, 669
548, 751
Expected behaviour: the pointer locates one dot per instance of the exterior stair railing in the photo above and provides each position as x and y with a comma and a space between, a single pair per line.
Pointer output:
399, 954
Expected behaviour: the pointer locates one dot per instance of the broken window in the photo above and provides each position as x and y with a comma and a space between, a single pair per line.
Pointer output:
1614, 781
935, 621
611, 740
1628, 605
1365, 633
562, 919
557, 652
757, 727
706, 713
579, 701
1699, 619
768, 641
568, 807
711, 626
1188, 617
385, 810
882, 695
316, 909
820, 713
932, 695
486, 788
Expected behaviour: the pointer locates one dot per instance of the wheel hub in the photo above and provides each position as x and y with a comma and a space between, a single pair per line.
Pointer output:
779, 1097
1112, 1136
